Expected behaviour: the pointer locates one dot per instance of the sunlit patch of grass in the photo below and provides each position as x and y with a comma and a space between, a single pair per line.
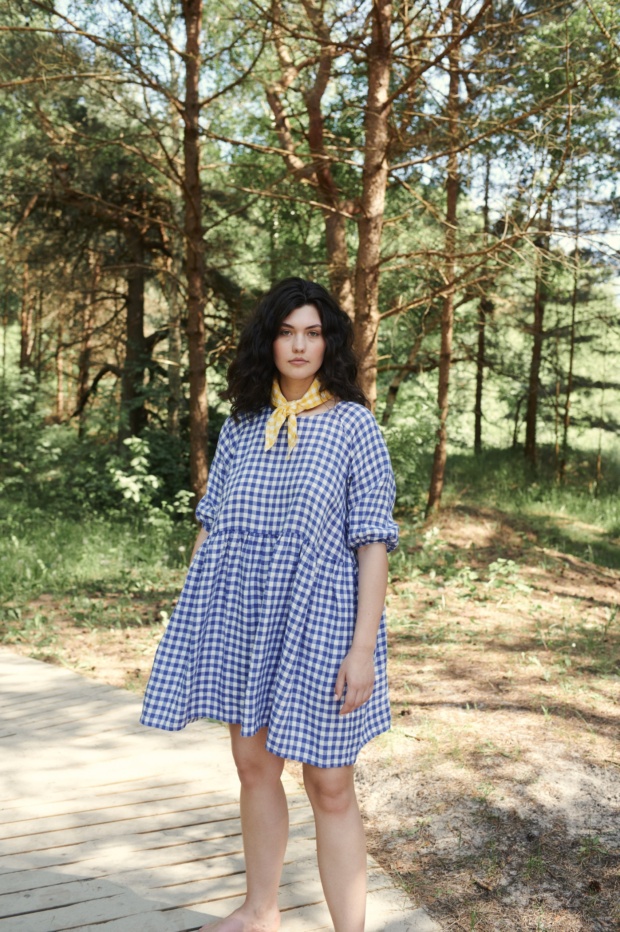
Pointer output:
579, 516
36, 630
97, 575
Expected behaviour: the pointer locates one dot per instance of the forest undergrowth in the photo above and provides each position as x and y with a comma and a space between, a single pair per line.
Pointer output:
494, 799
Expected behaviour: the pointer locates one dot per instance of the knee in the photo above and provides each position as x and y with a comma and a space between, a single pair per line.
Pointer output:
254, 773
255, 765
329, 791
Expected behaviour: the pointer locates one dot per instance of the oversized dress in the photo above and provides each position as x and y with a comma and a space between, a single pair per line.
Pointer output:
268, 609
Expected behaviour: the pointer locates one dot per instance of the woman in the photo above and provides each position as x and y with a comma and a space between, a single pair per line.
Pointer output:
280, 628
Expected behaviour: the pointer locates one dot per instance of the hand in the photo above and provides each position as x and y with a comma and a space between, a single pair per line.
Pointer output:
357, 670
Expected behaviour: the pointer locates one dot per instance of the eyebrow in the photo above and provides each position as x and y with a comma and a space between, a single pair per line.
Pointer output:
311, 327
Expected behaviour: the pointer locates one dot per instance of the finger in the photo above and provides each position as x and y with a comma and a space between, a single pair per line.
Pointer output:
350, 703
355, 699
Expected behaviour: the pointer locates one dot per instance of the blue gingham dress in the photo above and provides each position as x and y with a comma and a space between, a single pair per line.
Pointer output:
268, 609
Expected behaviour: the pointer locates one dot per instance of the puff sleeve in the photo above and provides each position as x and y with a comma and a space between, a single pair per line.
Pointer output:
208, 505
371, 487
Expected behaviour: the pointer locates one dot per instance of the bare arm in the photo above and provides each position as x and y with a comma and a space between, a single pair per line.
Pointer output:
357, 669
200, 539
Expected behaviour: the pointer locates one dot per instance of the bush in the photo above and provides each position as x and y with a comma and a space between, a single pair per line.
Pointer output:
46, 465
411, 440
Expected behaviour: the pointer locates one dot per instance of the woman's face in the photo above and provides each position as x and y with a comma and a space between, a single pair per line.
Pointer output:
299, 346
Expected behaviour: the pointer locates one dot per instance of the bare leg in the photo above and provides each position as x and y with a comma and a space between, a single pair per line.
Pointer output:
264, 822
340, 843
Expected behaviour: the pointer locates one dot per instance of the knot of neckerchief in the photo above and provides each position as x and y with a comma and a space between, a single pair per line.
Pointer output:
289, 410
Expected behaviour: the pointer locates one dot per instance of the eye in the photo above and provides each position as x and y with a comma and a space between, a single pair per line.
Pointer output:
285, 332
315, 333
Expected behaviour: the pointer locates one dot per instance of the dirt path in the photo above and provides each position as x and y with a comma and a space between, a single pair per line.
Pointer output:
495, 800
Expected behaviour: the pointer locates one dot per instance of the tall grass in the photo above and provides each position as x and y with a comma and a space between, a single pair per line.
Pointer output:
43, 552
503, 479
580, 516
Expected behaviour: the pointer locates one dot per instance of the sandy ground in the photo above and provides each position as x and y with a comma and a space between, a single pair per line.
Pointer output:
495, 799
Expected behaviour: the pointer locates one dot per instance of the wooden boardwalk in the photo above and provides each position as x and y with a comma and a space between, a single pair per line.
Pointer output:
111, 827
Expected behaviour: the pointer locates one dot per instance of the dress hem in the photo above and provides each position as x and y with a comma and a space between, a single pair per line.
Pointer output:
294, 756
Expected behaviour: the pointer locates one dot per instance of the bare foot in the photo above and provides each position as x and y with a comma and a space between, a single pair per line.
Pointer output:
245, 920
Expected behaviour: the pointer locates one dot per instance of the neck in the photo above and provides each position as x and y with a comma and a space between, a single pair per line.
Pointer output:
294, 389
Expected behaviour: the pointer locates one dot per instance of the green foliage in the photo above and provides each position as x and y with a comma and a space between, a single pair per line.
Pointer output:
78, 164
133, 479
43, 551
503, 479
410, 439
46, 465
580, 516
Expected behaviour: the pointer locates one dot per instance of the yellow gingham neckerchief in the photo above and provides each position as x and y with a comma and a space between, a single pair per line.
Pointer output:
290, 409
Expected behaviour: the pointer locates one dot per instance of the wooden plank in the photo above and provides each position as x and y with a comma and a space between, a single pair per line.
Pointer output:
177, 920
151, 852
137, 785
216, 811
110, 827
43, 808
54, 897
124, 905
214, 807
186, 826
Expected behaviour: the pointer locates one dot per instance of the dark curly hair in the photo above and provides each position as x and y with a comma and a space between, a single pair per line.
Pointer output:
252, 371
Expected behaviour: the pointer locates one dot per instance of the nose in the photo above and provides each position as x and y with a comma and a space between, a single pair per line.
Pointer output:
299, 342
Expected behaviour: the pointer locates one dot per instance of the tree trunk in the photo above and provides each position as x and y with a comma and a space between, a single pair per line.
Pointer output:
531, 414
485, 307
25, 322
320, 171
599, 454
60, 378
194, 251
374, 183
5, 333
274, 238
175, 378
556, 416
515, 429
447, 311
335, 221
540, 301
133, 411
88, 316
37, 340
338, 262
571, 352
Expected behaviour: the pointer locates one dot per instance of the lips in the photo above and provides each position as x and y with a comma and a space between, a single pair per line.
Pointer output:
298, 362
